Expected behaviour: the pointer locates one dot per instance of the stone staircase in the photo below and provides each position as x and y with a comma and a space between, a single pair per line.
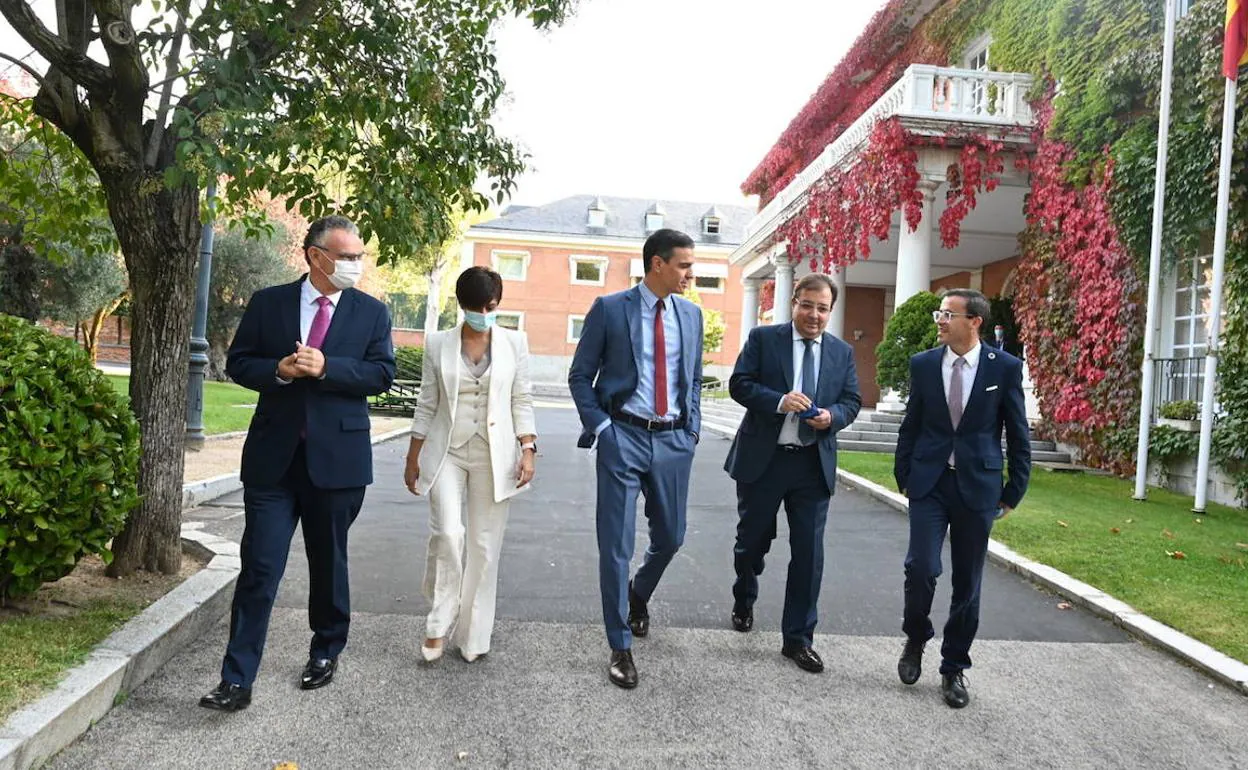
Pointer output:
871, 432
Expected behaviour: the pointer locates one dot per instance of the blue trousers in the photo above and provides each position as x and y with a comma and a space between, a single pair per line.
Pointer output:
271, 516
943, 508
795, 479
632, 460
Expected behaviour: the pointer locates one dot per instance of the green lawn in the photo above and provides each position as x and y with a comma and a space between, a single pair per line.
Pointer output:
227, 407
1089, 527
37, 651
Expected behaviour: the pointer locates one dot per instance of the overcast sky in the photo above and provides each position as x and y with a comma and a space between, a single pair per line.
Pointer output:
674, 99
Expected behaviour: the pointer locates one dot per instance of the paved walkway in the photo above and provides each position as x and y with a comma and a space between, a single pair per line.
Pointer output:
1051, 687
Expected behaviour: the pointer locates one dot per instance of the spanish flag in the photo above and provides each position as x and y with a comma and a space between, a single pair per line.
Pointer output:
1235, 46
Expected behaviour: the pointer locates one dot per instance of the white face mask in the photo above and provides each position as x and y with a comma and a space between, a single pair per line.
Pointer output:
346, 273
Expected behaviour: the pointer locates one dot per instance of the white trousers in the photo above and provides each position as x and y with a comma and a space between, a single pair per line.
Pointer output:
466, 536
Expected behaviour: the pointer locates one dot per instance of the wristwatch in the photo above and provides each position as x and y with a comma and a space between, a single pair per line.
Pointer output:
530, 445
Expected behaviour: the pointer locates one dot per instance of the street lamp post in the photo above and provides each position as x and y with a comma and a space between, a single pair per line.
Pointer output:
199, 341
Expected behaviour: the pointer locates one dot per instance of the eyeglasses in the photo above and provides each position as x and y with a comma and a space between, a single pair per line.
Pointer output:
339, 254
811, 307
948, 315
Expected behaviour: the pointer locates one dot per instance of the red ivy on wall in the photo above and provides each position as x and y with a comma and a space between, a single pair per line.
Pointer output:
766, 296
1078, 301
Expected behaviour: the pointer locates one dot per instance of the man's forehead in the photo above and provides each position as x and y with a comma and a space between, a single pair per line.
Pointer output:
822, 294
344, 241
682, 255
953, 303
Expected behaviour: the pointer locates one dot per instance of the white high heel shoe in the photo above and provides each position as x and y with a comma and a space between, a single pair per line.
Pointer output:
468, 657
430, 654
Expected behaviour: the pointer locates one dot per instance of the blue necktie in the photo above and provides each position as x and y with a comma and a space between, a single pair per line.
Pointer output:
805, 433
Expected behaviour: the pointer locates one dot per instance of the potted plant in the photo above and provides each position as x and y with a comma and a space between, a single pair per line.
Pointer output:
1180, 415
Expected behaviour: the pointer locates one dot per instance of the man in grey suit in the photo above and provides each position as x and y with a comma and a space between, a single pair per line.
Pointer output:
800, 387
636, 379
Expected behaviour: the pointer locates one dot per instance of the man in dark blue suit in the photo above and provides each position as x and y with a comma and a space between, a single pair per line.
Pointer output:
636, 379
315, 349
800, 387
962, 396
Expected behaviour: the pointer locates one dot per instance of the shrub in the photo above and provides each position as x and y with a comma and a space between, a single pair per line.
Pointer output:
408, 363
908, 332
69, 458
1180, 410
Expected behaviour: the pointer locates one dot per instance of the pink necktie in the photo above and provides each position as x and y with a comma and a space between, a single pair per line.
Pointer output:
320, 324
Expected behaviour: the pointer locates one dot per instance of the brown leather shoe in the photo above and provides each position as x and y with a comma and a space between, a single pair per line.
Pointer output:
622, 672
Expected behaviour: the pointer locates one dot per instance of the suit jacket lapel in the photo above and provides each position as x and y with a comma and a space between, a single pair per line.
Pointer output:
785, 350
632, 314
981, 377
688, 336
823, 395
937, 362
502, 359
342, 317
291, 309
448, 364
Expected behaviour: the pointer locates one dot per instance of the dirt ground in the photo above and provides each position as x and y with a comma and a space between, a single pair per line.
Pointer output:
222, 455
88, 582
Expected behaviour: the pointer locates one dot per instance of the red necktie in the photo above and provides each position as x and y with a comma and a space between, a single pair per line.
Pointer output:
660, 363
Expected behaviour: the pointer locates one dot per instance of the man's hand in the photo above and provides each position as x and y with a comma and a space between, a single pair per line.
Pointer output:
310, 362
286, 368
411, 472
794, 402
1005, 511
822, 421
526, 469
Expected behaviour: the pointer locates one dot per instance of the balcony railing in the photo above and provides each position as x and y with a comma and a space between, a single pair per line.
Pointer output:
1178, 379
924, 92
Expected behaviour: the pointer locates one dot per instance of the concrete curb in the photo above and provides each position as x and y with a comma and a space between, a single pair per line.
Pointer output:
125, 659
1197, 654
199, 492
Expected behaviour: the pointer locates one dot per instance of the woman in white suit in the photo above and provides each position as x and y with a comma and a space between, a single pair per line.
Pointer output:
473, 448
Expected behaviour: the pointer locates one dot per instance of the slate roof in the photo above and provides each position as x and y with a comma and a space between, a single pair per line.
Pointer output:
626, 219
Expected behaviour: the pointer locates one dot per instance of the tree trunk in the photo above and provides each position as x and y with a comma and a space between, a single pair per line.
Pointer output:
433, 299
157, 228
217, 350
19, 278
93, 329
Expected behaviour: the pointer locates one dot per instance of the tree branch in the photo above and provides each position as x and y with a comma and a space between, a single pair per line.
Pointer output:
166, 94
77, 66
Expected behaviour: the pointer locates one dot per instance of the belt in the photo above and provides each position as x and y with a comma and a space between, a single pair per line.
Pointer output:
650, 425
795, 448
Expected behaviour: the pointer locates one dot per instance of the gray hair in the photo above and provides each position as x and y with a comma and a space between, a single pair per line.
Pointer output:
317, 230
976, 303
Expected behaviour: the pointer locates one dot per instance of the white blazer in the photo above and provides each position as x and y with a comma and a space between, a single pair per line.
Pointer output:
509, 408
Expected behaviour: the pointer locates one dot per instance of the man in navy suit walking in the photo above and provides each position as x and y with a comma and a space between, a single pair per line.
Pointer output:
315, 349
782, 454
636, 379
962, 396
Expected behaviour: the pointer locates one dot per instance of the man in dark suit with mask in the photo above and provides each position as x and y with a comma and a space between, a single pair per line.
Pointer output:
315, 350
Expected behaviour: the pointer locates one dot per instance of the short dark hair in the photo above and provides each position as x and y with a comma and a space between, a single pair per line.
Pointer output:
476, 286
317, 230
976, 303
815, 281
662, 243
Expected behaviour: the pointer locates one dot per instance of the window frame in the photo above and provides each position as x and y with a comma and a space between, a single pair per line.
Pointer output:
603, 266
572, 319
517, 314
525, 256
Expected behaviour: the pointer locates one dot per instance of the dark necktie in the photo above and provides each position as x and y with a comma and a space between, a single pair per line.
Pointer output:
805, 433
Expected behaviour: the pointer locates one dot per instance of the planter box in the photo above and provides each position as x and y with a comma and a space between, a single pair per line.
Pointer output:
1187, 426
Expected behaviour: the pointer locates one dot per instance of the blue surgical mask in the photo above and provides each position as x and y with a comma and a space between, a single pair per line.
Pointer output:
480, 321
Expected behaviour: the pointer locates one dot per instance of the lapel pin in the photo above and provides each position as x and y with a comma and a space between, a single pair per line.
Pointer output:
992, 356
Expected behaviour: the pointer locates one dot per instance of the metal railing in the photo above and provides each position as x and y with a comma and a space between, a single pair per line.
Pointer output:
1178, 379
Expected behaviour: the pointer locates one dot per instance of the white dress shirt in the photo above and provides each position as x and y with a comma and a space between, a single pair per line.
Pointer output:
968, 376
789, 431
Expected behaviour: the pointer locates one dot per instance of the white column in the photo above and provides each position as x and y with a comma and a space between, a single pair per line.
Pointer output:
783, 309
914, 250
749, 307
836, 324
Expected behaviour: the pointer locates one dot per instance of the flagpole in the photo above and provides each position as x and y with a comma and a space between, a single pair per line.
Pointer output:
1215, 298
1149, 366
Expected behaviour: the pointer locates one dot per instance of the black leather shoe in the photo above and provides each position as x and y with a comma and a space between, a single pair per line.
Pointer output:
638, 615
227, 697
953, 688
318, 673
742, 620
622, 671
910, 666
805, 657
